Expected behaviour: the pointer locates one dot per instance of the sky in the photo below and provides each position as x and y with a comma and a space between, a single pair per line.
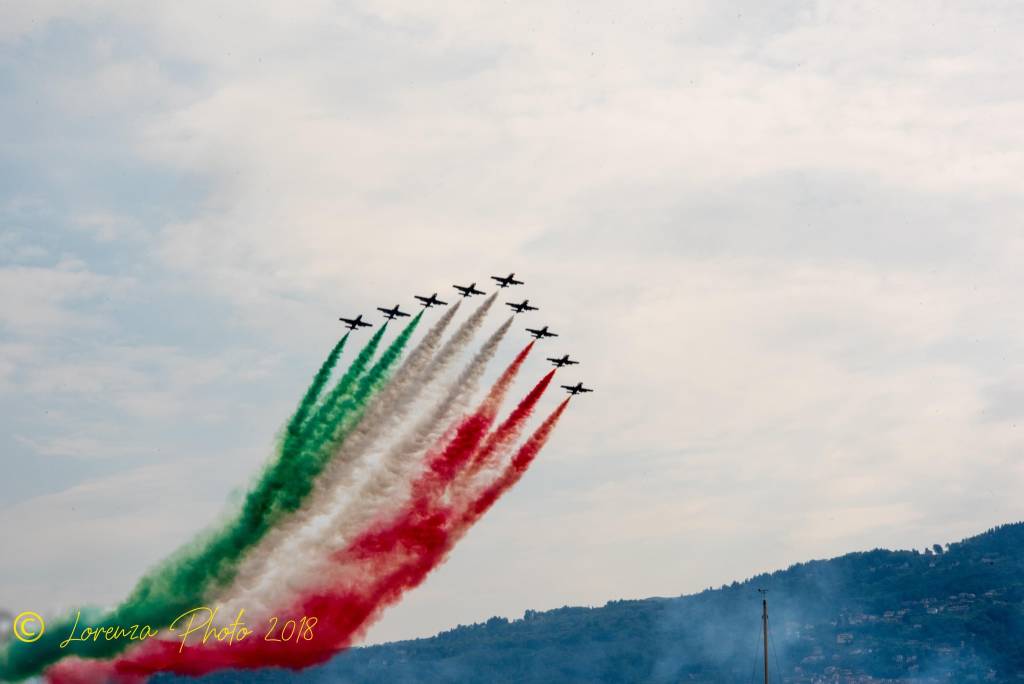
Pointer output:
784, 238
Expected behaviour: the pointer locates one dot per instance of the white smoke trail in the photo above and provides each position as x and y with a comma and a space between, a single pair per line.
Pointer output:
402, 459
307, 561
252, 565
387, 488
390, 407
270, 566
331, 568
391, 399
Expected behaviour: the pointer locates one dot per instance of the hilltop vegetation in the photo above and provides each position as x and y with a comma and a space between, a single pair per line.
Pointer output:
953, 614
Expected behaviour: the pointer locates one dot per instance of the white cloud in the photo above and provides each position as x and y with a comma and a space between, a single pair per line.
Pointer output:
108, 530
782, 240
39, 300
75, 446
143, 381
105, 226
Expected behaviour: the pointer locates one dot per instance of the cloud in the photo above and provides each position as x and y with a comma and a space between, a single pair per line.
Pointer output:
107, 529
105, 226
49, 299
73, 446
781, 238
142, 381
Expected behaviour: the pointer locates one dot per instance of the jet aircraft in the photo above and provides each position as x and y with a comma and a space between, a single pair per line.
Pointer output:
355, 323
542, 333
430, 301
468, 290
392, 313
521, 306
563, 361
510, 279
576, 389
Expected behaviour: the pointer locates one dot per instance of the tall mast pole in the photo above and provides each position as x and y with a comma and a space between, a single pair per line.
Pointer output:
764, 629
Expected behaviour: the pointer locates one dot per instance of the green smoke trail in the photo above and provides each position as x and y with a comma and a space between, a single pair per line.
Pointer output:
312, 395
334, 406
180, 583
298, 431
331, 430
339, 420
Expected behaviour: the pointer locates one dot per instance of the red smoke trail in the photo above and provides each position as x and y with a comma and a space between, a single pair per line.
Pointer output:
508, 431
426, 504
426, 537
390, 554
81, 671
429, 538
394, 561
442, 464
513, 472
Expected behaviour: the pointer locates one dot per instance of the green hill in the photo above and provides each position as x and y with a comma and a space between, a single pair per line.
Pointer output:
953, 614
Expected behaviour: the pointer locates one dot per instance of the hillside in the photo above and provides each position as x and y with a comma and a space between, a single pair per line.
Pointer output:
948, 614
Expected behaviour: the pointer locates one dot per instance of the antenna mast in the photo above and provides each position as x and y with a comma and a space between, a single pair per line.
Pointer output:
764, 628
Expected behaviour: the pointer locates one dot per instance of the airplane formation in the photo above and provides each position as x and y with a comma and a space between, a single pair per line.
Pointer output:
468, 291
